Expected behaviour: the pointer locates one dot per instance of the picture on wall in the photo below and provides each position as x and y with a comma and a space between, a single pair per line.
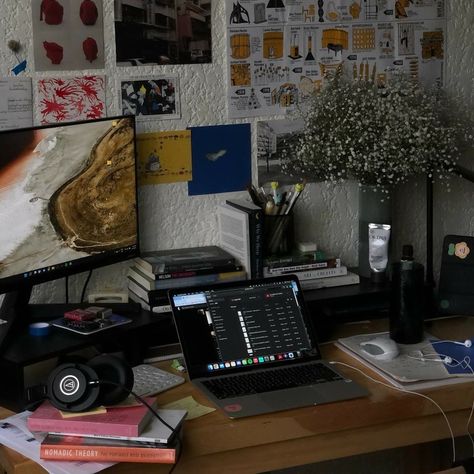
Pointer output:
221, 157
71, 99
150, 97
162, 32
274, 137
164, 157
68, 34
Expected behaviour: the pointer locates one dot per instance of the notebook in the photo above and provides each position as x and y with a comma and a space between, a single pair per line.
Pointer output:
250, 347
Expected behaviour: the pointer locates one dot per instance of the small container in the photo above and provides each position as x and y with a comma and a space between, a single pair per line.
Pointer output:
278, 235
407, 301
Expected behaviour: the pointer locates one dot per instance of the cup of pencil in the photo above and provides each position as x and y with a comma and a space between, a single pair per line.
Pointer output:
278, 234
278, 206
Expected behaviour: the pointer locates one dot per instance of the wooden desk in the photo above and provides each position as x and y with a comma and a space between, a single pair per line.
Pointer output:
386, 419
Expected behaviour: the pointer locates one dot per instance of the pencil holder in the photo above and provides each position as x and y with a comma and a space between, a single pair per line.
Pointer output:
278, 235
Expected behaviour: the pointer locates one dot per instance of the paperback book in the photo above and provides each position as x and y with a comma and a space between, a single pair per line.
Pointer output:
185, 259
311, 274
330, 282
154, 433
117, 421
150, 284
77, 448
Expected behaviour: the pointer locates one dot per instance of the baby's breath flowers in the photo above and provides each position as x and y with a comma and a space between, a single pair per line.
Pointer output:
379, 136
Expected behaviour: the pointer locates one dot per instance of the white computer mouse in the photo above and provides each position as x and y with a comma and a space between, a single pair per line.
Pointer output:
380, 348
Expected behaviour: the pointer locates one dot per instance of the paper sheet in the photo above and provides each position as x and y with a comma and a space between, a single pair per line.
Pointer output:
16, 103
14, 434
194, 409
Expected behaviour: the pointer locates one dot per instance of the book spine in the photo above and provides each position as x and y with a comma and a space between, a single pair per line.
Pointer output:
157, 269
201, 280
107, 453
153, 297
199, 272
329, 263
256, 223
311, 274
318, 283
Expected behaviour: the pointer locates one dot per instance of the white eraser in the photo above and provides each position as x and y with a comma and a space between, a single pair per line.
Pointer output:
307, 246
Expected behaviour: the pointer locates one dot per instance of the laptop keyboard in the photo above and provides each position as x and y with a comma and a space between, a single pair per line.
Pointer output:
270, 380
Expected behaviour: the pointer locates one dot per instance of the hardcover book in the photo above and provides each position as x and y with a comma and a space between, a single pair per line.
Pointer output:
186, 259
118, 421
255, 219
77, 448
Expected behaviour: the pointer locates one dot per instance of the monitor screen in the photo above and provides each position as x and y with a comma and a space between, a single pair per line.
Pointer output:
68, 199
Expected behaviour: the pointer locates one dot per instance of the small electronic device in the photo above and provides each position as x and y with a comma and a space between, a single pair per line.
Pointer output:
380, 348
150, 380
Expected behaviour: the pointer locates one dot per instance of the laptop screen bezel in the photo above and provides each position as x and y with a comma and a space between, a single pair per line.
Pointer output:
193, 370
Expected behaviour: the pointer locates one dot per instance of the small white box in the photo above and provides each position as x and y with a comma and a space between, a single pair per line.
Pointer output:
306, 247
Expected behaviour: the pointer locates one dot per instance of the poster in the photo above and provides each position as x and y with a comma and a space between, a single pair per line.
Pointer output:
68, 34
280, 51
16, 107
162, 32
164, 157
71, 99
148, 98
221, 157
273, 137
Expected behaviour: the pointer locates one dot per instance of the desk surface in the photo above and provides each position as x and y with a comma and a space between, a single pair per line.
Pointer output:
386, 419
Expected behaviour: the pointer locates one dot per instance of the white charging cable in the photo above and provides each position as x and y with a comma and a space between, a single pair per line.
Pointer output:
410, 392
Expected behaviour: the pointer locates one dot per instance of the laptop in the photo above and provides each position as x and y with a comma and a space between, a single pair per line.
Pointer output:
250, 347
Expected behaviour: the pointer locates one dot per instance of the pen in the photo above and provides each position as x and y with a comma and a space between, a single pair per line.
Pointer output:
298, 188
253, 195
276, 194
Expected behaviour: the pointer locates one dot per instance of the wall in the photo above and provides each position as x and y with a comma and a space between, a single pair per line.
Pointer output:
168, 217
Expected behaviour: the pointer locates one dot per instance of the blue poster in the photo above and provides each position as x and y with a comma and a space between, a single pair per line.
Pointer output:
221, 156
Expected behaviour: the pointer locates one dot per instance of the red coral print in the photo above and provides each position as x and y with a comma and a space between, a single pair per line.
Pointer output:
71, 99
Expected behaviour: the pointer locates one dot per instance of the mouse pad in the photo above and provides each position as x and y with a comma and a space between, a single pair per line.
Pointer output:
456, 288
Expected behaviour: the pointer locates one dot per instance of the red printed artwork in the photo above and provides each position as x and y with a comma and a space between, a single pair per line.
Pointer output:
71, 99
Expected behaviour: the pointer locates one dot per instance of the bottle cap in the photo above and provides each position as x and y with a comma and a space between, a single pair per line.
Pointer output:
407, 252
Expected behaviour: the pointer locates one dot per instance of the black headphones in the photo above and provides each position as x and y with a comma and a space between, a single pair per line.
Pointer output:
79, 386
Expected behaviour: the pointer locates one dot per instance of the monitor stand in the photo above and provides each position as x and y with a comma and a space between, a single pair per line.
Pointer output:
14, 310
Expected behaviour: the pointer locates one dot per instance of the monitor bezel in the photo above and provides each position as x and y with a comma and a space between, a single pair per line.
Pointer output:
83, 264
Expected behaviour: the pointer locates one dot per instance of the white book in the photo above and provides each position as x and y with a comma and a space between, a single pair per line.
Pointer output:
154, 432
329, 282
311, 274
404, 371
234, 235
165, 308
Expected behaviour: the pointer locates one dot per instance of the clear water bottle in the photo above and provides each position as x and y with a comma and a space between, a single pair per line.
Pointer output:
407, 301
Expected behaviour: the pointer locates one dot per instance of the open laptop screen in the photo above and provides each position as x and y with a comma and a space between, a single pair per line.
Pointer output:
238, 326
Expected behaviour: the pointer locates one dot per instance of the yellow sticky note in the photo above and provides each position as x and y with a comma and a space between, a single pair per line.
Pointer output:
94, 411
194, 409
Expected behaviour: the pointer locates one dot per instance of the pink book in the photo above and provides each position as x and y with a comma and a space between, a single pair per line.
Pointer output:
118, 421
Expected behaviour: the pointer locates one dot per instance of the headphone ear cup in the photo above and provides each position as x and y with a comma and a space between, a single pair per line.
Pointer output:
112, 369
68, 387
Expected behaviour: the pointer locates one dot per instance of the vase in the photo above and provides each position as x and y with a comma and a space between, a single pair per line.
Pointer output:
374, 207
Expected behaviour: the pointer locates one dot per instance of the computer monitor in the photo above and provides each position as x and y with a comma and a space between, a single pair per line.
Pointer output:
68, 203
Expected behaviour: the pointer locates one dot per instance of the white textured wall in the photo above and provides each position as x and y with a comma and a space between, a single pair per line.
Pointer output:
168, 217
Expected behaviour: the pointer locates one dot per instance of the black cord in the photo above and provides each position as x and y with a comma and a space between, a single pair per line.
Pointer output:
85, 286
142, 400
67, 288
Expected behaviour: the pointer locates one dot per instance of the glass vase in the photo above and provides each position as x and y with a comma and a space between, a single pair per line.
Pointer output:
374, 207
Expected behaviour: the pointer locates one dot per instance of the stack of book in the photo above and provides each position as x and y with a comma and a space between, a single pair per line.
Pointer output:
313, 270
120, 434
154, 273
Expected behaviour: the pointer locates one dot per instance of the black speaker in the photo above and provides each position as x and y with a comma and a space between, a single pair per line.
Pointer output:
80, 386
